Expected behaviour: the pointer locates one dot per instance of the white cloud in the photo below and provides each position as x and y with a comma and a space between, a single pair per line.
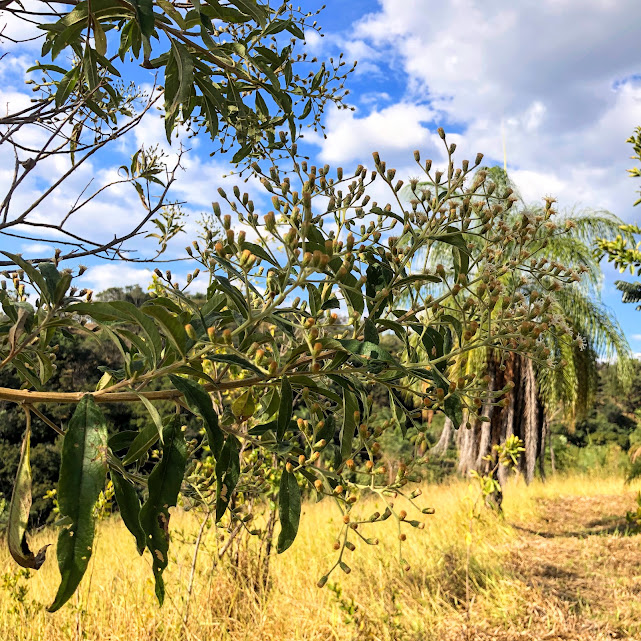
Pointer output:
106, 275
313, 41
555, 80
636, 337
398, 127
37, 249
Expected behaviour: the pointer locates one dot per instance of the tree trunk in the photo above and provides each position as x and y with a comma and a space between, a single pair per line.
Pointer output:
511, 373
542, 440
485, 441
443, 443
530, 422
523, 417
467, 441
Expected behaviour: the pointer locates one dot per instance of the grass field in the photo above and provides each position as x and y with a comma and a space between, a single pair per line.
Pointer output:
559, 565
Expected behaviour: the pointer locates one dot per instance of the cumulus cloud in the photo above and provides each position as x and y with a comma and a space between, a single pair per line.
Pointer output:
556, 82
104, 276
393, 129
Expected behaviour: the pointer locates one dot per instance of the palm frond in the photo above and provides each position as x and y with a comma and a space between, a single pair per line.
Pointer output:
590, 224
573, 252
631, 291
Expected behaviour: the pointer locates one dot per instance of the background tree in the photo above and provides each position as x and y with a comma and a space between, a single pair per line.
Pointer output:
539, 393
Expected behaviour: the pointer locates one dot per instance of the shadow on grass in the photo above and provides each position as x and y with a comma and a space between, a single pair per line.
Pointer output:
611, 526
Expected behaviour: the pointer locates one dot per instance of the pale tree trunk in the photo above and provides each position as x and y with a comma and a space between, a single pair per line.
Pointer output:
531, 431
524, 416
441, 447
466, 441
485, 442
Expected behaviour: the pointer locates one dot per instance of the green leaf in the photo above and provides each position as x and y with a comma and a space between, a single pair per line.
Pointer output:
232, 359
306, 110
259, 430
370, 333
258, 251
145, 14
417, 278
52, 278
455, 323
232, 292
146, 438
200, 403
66, 86
242, 153
164, 485
83, 470
253, 9
34, 275
349, 286
19, 512
350, 406
129, 506
460, 252
286, 409
122, 440
379, 277
170, 326
90, 68
244, 406
55, 68
99, 37
432, 340
331, 303
172, 12
179, 78
453, 409
131, 312
227, 474
288, 510
368, 350
153, 412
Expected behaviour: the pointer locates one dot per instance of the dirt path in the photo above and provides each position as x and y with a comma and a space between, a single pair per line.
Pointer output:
581, 568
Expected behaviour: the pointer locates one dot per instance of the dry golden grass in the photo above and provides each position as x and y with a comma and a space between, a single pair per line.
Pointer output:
555, 567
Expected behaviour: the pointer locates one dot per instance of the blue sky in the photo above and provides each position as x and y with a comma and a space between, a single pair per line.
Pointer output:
557, 81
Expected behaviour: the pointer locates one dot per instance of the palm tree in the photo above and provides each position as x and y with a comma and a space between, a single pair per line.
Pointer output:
541, 393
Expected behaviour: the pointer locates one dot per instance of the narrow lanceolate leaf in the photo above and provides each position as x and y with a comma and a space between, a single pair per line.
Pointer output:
288, 510
141, 444
286, 408
200, 403
129, 506
83, 470
153, 412
164, 485
350, 406
370, 333
145, 14
227, 474
19, 513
